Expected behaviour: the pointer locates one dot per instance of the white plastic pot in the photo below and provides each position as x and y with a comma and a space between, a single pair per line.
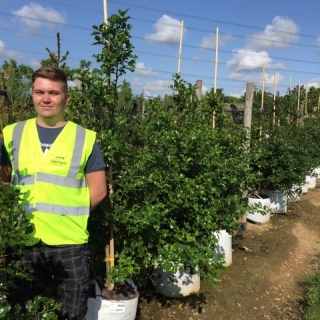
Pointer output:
278, 201
102, 309
316, 172
294, 193
304, 188
224, 246
255, 215
175, 285
311, 182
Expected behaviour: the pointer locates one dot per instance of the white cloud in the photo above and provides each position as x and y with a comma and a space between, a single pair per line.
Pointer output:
269, 79
9, 54
235, 75
30, 16
167, 29
143, 70
34, 63
73, 83
256, 78
161, 86
248, 60
279, 34
204, 90
136, 82
209, 41
237, 95
314, 83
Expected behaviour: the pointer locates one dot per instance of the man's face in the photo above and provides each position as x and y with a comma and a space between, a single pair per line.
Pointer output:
49, 98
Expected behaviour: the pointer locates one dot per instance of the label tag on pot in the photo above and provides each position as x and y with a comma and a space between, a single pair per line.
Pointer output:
116, 307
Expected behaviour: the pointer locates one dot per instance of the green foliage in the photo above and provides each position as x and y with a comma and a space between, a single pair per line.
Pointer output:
14, 228
116, 56
15, 79
175, 179
312, 297
181, 183
57, 60
284, 147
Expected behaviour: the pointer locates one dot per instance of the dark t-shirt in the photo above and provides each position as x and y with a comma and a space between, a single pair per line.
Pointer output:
47, 136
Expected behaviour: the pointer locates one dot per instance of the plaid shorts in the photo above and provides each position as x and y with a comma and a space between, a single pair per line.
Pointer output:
64, 270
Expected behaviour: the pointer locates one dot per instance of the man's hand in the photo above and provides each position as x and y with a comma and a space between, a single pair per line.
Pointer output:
5, 174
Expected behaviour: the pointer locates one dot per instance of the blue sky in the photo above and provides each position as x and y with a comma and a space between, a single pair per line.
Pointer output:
282, 35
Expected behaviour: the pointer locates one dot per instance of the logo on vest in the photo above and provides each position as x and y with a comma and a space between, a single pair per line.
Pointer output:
58, 161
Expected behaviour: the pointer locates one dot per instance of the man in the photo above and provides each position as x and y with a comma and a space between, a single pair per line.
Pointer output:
60, 171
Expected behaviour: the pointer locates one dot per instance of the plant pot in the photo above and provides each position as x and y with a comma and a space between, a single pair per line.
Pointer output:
260, 208
304, 188
293, 194
278, 201
311, 182
117, 309
174, 285
224, 246
316, 172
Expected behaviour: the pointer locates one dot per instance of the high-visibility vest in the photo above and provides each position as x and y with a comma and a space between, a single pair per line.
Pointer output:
55, 194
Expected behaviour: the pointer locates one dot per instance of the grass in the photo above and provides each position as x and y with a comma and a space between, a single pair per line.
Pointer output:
311, 295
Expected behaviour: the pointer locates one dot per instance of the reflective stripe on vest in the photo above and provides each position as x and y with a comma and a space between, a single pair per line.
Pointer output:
57, 209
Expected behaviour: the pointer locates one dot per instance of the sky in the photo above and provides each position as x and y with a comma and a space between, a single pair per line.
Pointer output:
273, 44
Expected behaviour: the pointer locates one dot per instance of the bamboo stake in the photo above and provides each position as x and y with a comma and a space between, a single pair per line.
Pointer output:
215, 75
306, 102
274, 99
109, 248
262, 95
298, 105
216, 62
180, 46
105, 11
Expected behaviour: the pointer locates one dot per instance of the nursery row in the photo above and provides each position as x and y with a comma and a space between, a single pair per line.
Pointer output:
177, 183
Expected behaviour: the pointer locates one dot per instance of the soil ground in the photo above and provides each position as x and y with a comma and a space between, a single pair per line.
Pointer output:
264, 281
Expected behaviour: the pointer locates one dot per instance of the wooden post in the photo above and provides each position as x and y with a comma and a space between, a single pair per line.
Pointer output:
262, 84
262, 95
215, 75
199, 89
79, 83
246, 146
290, 83
143, 110
318, 103
248, 106
180, 46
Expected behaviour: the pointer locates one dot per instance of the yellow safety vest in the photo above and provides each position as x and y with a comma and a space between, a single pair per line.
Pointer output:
55, 192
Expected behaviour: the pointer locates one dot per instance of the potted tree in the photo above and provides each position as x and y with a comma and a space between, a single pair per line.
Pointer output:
277, 155
181, 184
